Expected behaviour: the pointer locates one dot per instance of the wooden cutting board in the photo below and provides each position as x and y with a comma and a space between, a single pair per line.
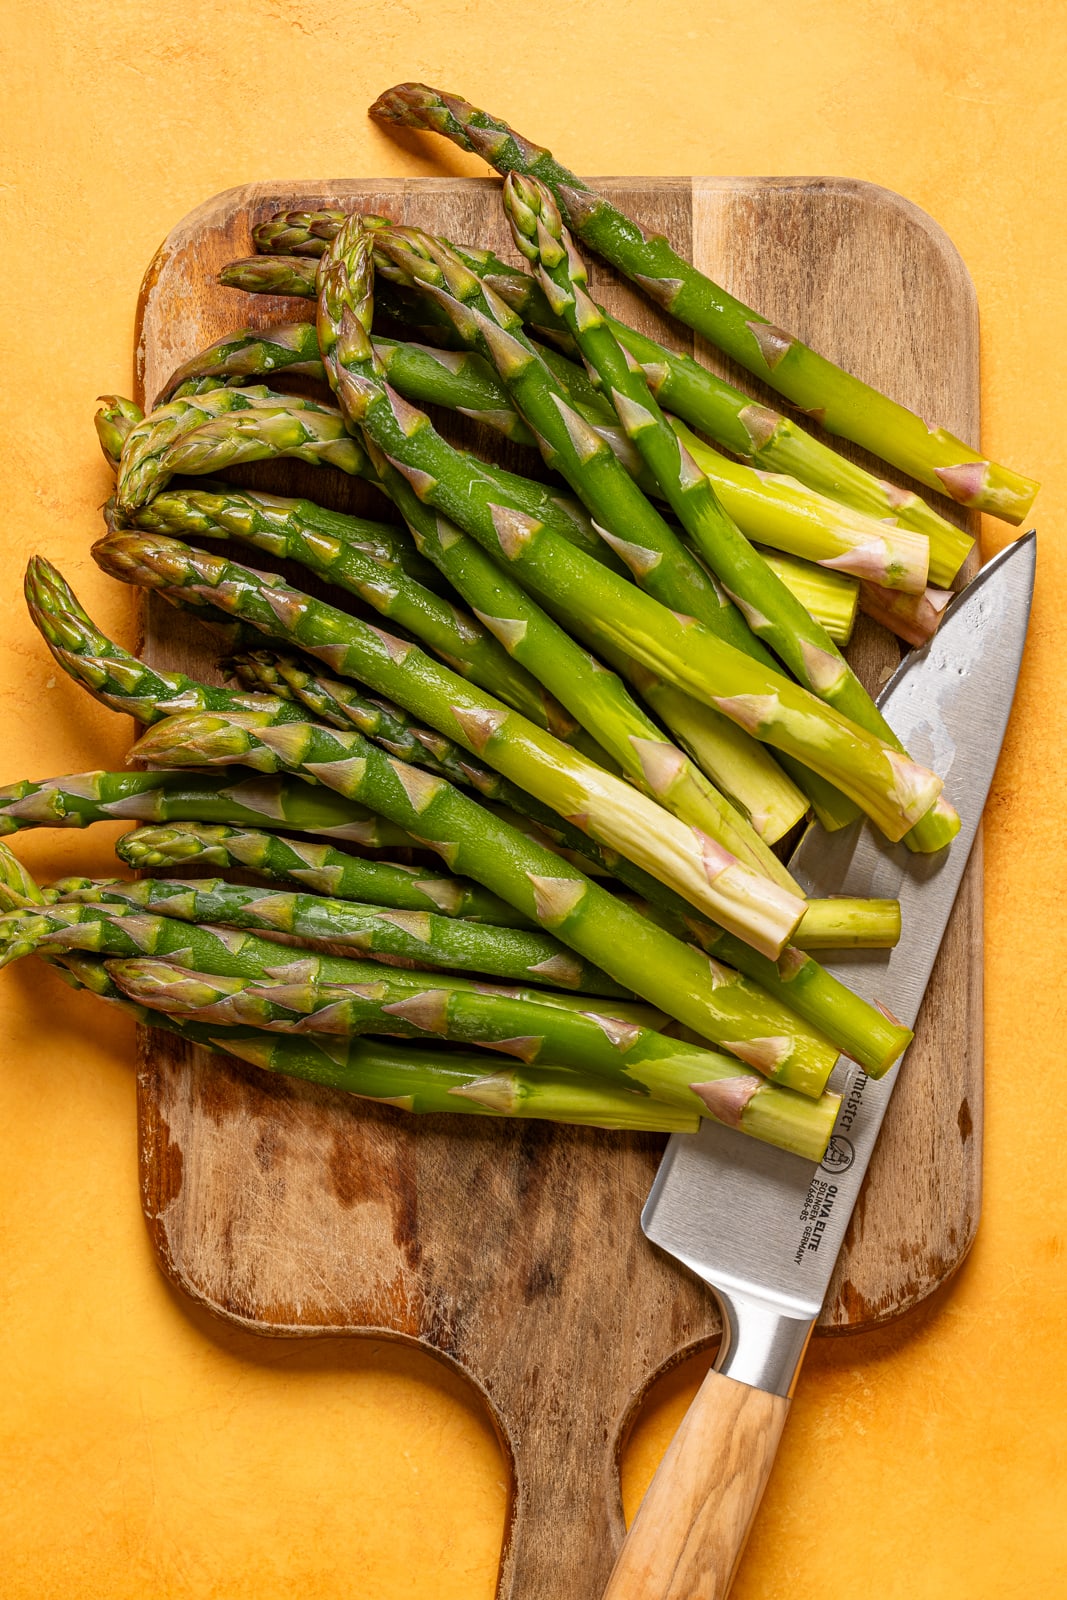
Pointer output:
513, 1251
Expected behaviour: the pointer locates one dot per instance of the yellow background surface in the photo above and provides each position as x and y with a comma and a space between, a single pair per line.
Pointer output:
150, 1450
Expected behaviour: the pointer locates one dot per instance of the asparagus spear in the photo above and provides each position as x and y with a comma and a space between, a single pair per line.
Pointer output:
843, 923
224, 428
341, 705
462, 381
730, 418
114, 421
678, 461
767, 805
892, 790
781, 512
305, 532
796, 981
332, 546
321, 868
114, 931
339, 759
552, 772
756, 784
423, 937
199, 434
777, 444
595, 696
113, 675
831, 598
739, 1016
421, 1080
680, 1074
288, 275
82, 798
454, 378
626, 520
844, 404
122, 682
874, 923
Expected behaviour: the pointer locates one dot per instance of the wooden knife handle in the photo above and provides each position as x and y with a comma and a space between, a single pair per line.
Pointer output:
691, 1527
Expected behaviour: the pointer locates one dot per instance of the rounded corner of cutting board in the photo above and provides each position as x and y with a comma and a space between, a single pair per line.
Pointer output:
851, 1313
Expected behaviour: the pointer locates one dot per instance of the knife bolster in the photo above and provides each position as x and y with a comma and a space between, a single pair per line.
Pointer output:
763, 1344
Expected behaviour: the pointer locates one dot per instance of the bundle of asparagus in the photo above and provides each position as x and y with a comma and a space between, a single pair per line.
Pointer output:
601, 700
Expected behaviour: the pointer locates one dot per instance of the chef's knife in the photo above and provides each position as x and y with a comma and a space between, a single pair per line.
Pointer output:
763, 1228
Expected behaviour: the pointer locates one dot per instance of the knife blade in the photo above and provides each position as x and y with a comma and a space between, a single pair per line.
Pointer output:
760, 1226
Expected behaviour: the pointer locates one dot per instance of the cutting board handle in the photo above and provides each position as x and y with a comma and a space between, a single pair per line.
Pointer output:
691, 1527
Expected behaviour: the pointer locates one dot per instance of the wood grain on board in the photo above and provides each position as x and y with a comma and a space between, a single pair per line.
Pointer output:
512, 1250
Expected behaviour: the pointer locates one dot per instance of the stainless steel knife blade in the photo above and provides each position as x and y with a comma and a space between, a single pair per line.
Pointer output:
761, 1227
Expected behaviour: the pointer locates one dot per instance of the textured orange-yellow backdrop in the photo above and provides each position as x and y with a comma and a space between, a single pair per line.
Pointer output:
149, 1450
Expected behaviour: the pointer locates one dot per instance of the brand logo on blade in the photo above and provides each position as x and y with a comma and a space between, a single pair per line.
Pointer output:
840, 1154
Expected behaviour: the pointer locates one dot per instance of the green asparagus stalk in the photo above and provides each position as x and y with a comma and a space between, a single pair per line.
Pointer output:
766, 803
796, 980
297, 233
767, 440
784, 514
552, 772
19, 890
591, 467
122, 682
625, 519
744, 1020
201, 434
320, 868
422, 937
835, 923
725, 753
844, 923
844, 405
420, 1080
677, 1073
892, 790
831, 598
454, 378
225, 428
286, 347
677, 460
514, 866
299, 528
595, 697
331, 545
238, 799
287, 275
730, 418
116, 931
113, 675
342, 705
